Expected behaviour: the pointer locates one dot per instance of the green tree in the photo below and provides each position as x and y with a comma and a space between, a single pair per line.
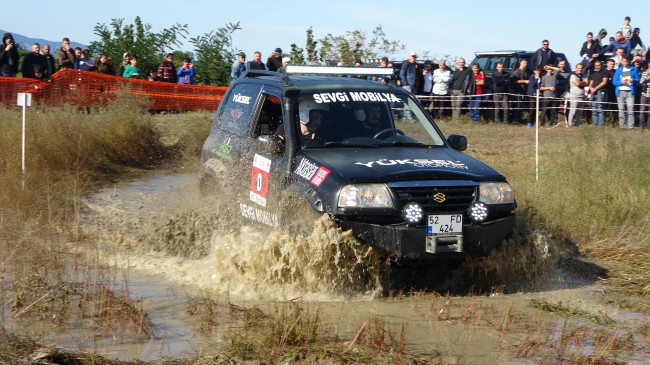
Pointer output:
214, 56
357, 44
296, 55
310, 46
137, 39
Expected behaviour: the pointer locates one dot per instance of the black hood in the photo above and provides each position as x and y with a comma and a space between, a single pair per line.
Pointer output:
5, 36
388, 164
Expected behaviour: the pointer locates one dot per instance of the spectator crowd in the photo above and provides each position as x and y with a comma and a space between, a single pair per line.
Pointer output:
612, 78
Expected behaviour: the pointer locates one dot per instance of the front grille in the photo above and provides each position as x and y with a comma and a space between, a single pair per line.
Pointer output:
457, 198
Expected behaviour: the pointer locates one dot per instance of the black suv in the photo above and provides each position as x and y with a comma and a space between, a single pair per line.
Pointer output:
488, 62
286, 148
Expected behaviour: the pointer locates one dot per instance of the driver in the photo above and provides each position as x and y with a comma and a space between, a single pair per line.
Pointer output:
312, 117
366, 126
310, 126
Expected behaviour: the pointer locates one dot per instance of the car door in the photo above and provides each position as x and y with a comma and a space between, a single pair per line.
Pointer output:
267, 171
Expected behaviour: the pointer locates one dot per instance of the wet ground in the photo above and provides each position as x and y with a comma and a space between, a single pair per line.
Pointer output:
177, 250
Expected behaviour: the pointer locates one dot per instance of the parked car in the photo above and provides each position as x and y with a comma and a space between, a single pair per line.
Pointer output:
377, 165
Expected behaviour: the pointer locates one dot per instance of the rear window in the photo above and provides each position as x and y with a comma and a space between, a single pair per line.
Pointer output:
489, 63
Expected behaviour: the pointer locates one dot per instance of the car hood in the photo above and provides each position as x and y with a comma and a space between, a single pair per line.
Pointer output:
389, 164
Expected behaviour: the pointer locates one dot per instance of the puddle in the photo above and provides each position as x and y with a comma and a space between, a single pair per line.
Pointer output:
173, 246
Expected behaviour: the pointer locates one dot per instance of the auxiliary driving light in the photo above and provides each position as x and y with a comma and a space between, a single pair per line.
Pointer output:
413, 213
478, 212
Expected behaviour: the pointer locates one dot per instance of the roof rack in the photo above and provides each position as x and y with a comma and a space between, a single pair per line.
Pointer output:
338, 70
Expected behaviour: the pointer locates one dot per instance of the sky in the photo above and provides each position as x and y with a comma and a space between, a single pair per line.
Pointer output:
438, 29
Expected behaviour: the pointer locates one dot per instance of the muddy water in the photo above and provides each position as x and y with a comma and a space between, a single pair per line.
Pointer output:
174, 246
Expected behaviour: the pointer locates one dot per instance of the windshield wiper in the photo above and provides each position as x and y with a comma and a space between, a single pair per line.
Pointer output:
342, 144
412, 144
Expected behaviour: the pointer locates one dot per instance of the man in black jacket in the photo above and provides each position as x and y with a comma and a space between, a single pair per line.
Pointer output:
543, 56
589, 48
457, 85
274, 62
8, 56
32, 61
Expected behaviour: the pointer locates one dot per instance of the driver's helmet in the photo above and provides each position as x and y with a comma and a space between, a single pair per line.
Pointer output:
307, 106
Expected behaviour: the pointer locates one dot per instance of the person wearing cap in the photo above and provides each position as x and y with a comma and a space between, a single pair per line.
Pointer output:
408, 74
274, 62
238, 67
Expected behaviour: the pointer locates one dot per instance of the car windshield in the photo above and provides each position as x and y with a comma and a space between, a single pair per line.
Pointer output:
366, 119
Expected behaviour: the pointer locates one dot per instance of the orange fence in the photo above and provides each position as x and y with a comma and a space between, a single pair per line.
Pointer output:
82, 88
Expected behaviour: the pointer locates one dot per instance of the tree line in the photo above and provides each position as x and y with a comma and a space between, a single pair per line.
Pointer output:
214, 52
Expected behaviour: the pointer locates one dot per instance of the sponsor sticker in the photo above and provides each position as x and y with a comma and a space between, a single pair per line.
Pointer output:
320, 176
416, 163
369, 96
258, 215
260, 179
306, 169
242, 99
225, 149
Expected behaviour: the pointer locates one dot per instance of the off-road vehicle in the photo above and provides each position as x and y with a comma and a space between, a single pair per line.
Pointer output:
287, 146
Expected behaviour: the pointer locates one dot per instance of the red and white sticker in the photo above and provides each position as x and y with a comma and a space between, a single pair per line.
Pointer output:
260, 179
320, 176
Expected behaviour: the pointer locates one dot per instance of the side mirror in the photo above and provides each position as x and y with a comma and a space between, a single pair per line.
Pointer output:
457, 142
270, 144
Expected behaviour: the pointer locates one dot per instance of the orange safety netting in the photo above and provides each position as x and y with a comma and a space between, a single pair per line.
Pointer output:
83, 88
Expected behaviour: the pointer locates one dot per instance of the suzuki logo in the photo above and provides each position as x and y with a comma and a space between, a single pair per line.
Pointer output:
439, 197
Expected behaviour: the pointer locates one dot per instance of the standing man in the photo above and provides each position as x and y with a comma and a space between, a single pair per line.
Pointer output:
519, 87
427, 85
645, 99
598, 88
256, 63
33, 60
49, 62
543, 56
441, 77
65, 55
576, 95
549, 104
274, 62
409, 74
625, 79
459, 87
501, 81
8, 56
238, 67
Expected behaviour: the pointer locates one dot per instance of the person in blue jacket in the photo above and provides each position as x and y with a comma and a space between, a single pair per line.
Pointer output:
186, 72
625, 78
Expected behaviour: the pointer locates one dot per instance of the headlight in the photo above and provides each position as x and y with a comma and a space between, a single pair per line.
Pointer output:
496, 193
365, 196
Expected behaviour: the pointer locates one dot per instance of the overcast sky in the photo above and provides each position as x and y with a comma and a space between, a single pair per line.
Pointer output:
439, 28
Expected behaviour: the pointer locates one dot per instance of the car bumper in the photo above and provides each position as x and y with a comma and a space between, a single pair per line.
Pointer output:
410, 243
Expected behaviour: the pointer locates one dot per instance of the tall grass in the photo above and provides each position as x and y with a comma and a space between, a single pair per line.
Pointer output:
70, 151
593, 188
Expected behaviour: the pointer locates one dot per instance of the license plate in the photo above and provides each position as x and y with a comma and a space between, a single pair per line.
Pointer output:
445, 225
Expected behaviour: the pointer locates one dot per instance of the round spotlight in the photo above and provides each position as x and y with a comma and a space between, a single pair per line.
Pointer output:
478, 212
412, 213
